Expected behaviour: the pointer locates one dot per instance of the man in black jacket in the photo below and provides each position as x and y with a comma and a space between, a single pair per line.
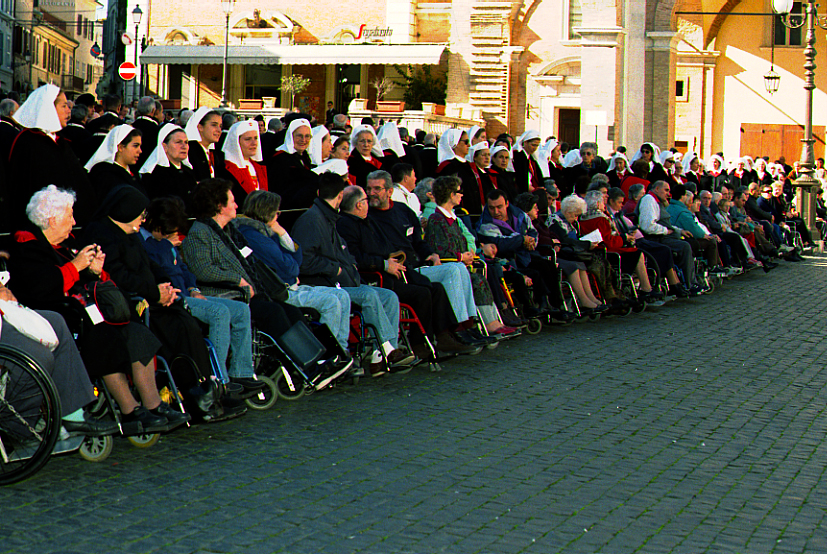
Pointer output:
327, 262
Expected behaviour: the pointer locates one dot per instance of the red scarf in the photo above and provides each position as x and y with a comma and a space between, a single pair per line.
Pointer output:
479, 183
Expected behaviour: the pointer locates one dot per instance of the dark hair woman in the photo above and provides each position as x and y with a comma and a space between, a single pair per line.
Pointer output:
109, 166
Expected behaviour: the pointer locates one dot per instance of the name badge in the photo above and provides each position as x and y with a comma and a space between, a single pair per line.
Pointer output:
94, 314
409, 231
246, 251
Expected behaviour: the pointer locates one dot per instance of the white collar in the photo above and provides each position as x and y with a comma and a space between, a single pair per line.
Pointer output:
446, 213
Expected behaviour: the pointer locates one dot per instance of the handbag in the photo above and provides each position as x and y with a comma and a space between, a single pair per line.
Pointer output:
29, 323
109, 300
273, 285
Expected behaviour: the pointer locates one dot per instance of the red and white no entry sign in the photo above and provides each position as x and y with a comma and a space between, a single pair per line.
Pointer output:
127, 71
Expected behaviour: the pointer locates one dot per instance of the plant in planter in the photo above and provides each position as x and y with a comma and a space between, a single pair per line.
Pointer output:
293, 85
383, 86
422, 85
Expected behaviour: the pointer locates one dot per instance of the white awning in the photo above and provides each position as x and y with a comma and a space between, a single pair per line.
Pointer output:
298, 54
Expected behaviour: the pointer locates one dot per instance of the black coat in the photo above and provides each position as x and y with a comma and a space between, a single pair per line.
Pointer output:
78, 137
37, 161
359, 167
470, 187
324, 251
170, 181
201, 163
429, 160
149, 138
403, 231
504, 181
106, 175
292, 178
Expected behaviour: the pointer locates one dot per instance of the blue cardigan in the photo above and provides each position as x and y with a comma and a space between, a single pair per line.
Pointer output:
269, 250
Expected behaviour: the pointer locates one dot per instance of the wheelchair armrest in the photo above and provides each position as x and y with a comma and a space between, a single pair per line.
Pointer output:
230, 287
374, 278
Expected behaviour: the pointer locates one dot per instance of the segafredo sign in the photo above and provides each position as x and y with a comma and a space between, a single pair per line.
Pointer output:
372, 34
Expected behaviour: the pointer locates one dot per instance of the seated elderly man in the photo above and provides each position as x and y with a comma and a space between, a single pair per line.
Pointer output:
655, 222
707, 215
510, 229
701, 240
764, 218
327, 262
746, 227
368, 244
403, 232
636, 192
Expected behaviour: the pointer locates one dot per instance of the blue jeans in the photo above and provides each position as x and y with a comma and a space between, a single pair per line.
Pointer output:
380, 307
229, 322
456, 280
332, 304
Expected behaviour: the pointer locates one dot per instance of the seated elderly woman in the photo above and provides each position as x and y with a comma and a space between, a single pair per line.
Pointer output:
116, 232
564, 226
631, 259
444, 234
215, 252
574, 271
272, 244
47, 271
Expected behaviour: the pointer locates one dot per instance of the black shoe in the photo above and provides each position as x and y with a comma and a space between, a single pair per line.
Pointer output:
560, 315
174, 417
249, 384
224, 411
332, 370
471, 339
448, 344
90, 426
482, 339
678, 290
149, 422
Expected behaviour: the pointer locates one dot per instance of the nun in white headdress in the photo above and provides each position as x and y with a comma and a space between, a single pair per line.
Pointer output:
501, 177
110, 165
365, 154
393, 149
691, 169
38, 157
320, 145
203, 132
479, 159
530, 167
242, 160
476, 134
452, 153
618, 169
739, 175
167, 170
292, 164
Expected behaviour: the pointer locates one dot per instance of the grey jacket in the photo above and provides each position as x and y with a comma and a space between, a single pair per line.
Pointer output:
209, 259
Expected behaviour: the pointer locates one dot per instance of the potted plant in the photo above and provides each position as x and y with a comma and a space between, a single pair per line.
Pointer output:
293, 85
383, 86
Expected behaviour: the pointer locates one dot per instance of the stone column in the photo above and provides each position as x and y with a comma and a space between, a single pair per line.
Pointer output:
630, 128
460, 48
659, 109
598, 70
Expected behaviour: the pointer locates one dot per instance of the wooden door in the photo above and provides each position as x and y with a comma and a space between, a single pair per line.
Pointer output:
759, 139
569, 127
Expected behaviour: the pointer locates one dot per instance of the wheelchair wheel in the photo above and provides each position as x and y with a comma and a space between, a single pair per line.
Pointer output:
534, 326
96, 449
29, 416
266, 398
144, 441
290, 387
639, 306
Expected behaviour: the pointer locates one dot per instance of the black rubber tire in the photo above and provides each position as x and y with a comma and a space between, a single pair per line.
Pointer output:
30, 401
97, 449
283, 387
266, 398
534, 326
144, 441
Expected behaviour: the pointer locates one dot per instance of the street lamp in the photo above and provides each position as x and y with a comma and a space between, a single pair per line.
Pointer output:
137, 14
806, 183
227, 8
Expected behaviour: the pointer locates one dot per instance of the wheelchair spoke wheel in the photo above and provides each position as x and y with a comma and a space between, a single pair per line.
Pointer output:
289, 386
144, 441
29, 416
534, 326
96, 449
266, 398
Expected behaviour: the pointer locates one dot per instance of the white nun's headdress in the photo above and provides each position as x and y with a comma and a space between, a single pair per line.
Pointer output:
572, 158
231, 148
39, 112
159, 155
540, 155
376, 150
665, 156
655, 152
194, 121
613, 161
447, 142
333, 165
476, 148
109, 147
686, 163
389, 139
472, 132
315, 149
288, 137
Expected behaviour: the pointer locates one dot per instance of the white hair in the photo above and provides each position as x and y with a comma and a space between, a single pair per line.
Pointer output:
48, 202
574, 204
593, 199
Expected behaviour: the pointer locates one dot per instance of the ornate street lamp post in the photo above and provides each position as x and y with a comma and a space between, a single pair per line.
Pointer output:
806, 183
227, 8
136, 19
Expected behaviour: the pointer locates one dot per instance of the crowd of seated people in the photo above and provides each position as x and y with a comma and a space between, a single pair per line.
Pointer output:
477, 237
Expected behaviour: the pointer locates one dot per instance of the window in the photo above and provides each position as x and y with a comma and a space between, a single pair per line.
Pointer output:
682, 90
783, 35
574, 18
79, 28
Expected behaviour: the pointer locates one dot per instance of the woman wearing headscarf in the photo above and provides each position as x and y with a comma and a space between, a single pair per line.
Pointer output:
292, 166
242, 160
394, 150
760, 172
693, 172
530, 169
167, 171
479, 157
452, 151
618, 169
477, 134
717, 172
740, 176
663, 171
556, 170
115, 230
365, 154
110, 165
321, 145
203, 132
39, 158
501, 177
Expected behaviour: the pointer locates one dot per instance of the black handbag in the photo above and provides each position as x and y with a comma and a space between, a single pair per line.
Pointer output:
272, 284
109, 300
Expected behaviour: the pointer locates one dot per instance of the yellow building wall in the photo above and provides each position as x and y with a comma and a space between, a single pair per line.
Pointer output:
740, 95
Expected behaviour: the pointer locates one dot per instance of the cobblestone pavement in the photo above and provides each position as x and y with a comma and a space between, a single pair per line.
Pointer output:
698, 427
